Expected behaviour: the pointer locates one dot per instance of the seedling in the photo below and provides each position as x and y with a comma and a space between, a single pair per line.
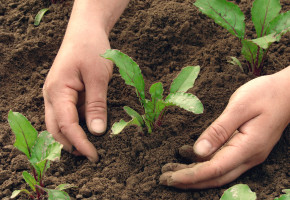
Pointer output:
269, 23
39, 16
154, 110
40, 149
243, 191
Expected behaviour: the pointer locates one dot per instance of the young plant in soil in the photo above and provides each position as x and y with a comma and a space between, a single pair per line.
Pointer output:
155, 108
269, 23
243, 191
40, 149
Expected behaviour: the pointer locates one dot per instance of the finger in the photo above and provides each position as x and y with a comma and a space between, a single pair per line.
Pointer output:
221, 130
186, 151
96, 101
52, 127
227, 164
68, 121
166, 179
170, 167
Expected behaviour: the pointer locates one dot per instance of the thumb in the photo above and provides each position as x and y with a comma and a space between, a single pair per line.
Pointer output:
96, 103
219, 132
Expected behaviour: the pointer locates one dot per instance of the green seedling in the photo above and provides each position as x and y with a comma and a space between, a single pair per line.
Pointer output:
39, 16
269, 23
155, 108
40, 149
239, 191
243, 192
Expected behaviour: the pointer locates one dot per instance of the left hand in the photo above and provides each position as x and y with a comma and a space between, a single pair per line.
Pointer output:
241, 138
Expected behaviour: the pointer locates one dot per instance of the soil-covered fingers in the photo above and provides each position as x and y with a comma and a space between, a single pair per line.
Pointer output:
226, 165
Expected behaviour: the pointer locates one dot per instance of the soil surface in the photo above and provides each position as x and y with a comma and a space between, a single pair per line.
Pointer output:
162, 37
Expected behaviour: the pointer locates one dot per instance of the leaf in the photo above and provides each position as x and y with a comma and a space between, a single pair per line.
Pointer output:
45, 149
57, 194
239, 192
185, 79
266, 41
235, 61
128, 69
250, 50
64, 186
119, 126
29, 179
225, 14
39, 16
152, 110
17, 192
263, 12
280, 25
186, 101
285, 196
133, 114
156, 91
24, 132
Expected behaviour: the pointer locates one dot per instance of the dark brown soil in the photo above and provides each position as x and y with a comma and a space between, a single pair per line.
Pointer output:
162, 36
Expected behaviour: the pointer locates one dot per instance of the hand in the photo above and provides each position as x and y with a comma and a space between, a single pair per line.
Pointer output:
241, 138
76, 87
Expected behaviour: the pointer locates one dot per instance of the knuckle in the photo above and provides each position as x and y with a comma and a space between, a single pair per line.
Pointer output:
98, 106
218, 133
218, 171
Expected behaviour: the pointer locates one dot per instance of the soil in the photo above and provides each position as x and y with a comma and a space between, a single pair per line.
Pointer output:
162, 37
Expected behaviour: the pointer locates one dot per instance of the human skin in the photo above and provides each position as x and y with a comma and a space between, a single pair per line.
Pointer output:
240, 138
76, 85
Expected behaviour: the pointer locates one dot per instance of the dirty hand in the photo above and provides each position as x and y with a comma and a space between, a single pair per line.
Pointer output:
240, 138
76, 87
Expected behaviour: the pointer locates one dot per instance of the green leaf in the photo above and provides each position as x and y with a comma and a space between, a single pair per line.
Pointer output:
280, 25
250, 50
57, 194
185, 79
17, 192
128, 69
266, 41
239, 192
119, 126
235, 61
64, 186
29, 179
39, 16
24, 132
156, 91
226, 14
45, 149
148, 124
186, 101
133, 114
285, 196
263, 12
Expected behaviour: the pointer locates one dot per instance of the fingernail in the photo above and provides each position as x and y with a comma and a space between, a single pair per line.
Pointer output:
98, 126
93, 160
203, 148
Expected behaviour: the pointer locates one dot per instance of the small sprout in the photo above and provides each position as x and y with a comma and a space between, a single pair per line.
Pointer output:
235, 61
39, 16
40, 149
154, 109
269, 23
239, 192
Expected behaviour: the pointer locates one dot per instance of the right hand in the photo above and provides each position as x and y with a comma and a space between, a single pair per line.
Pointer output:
76, 87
